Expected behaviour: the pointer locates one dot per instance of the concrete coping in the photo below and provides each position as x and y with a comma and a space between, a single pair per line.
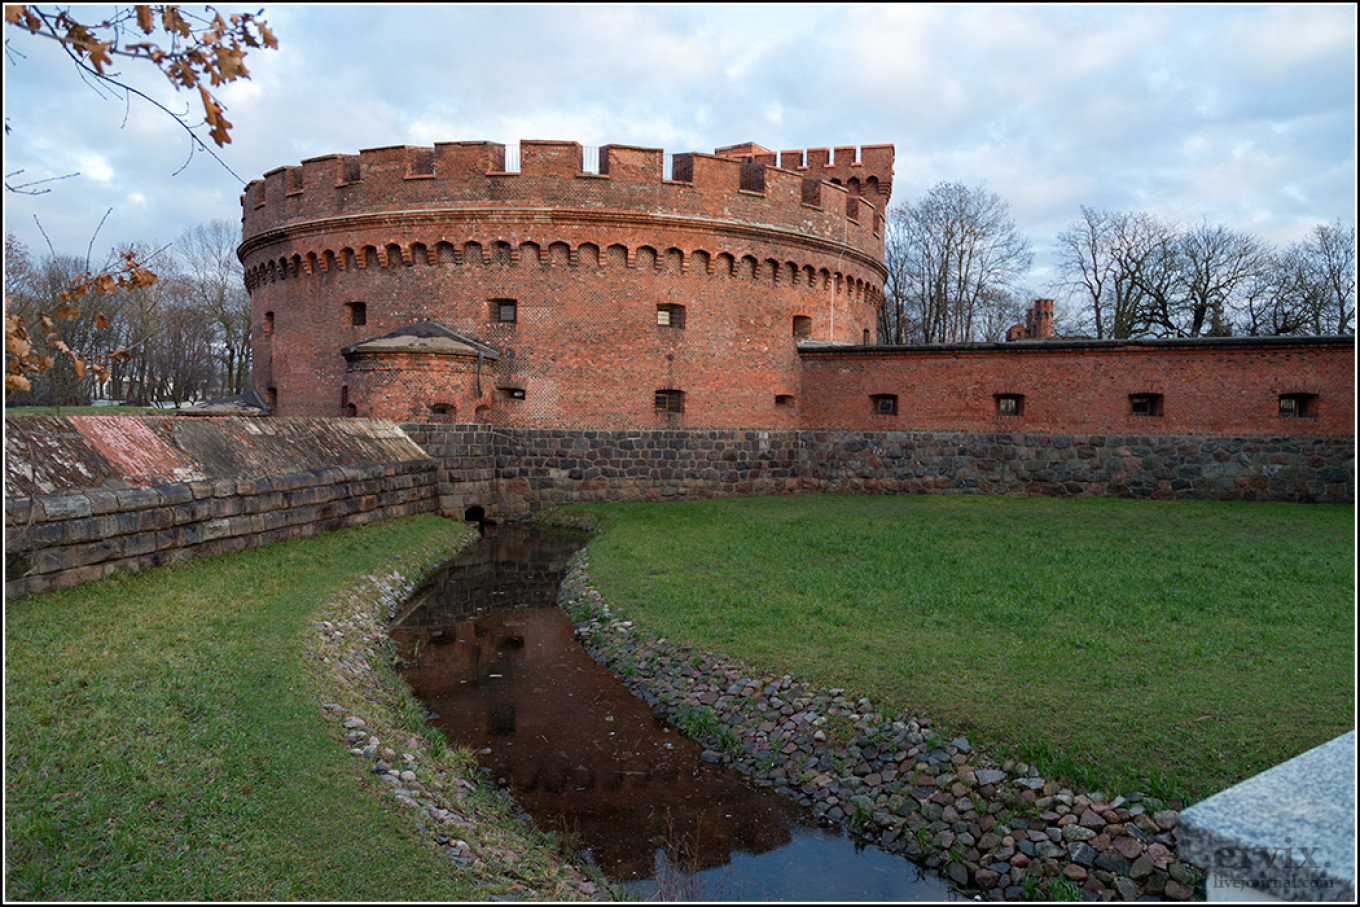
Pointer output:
1286, 834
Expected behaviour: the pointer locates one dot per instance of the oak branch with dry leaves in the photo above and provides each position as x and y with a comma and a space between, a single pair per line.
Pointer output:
192, 51
23, 358
214, 52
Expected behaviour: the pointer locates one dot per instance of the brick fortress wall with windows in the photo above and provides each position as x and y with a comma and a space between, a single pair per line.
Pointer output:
608, 299
553, 334
1268, 386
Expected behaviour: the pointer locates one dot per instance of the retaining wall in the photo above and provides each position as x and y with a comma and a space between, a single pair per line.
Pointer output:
539, 468
86, 496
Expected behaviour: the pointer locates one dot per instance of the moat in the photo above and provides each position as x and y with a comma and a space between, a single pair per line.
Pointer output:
493, 656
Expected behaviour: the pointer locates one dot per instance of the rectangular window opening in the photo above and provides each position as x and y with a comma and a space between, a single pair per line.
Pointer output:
1298, 406
1010, 404
669, 401
504, 311
354, 314
884, 404
670, 316
1148, 406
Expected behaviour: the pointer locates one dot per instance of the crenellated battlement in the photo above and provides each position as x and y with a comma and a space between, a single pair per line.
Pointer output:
839, 198
866, 171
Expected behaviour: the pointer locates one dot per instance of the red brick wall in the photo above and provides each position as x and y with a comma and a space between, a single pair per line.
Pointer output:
421, 234
1208, 387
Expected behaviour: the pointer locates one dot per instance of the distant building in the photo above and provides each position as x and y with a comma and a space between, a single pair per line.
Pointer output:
1038, 323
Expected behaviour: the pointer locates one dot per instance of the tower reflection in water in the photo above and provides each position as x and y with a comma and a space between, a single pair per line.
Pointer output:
489, 651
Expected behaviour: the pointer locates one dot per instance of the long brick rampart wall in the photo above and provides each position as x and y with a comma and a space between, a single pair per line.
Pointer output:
1227, 387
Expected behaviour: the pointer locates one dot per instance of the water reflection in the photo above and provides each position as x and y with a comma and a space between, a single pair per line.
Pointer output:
490, 652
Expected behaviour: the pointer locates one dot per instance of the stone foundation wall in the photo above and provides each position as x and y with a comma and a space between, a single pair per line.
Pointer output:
467, 465
58, 533
539, 468
1308, 470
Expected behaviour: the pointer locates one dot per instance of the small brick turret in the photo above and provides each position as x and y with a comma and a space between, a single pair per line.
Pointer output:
1038, 323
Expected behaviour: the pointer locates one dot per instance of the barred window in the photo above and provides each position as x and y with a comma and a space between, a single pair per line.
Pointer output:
669, 401
1145, 405
1010, 404
1298, 406
669, 315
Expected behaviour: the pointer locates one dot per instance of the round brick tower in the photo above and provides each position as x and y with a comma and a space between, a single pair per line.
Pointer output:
415, 283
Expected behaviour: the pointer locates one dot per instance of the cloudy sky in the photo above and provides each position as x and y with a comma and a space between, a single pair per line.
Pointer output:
1241, 115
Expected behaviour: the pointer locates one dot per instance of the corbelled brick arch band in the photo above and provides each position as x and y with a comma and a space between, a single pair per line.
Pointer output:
610, 299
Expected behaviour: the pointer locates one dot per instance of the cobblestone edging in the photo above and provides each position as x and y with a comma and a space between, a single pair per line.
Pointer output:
371, 711
997, 830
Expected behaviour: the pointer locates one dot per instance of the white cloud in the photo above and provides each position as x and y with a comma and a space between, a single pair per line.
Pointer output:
1241, 114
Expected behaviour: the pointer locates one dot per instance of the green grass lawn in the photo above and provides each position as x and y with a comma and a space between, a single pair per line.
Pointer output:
1173, 648
164, 739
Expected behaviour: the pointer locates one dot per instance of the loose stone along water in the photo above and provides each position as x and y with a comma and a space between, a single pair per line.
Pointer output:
493, 656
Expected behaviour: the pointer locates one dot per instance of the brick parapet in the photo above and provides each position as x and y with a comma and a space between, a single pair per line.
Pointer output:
337, 193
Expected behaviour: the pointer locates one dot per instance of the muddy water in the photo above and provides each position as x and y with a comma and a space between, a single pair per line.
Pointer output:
491, 654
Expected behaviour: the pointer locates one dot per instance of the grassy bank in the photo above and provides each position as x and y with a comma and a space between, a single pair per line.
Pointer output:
164, 740
1172, 648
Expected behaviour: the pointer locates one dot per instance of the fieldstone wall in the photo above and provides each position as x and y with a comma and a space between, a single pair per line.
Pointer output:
79, 508
1309, 470
538, 468
86, 496
467, 465
513, 471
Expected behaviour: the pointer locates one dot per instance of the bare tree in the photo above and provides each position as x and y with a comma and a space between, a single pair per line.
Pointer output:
1141, 276
1331, 250
1215, 267
141, 315
1306, 288
33, 292
1283, 298
1101, 259
182, 364
216, 285
1001, 310
949, 255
